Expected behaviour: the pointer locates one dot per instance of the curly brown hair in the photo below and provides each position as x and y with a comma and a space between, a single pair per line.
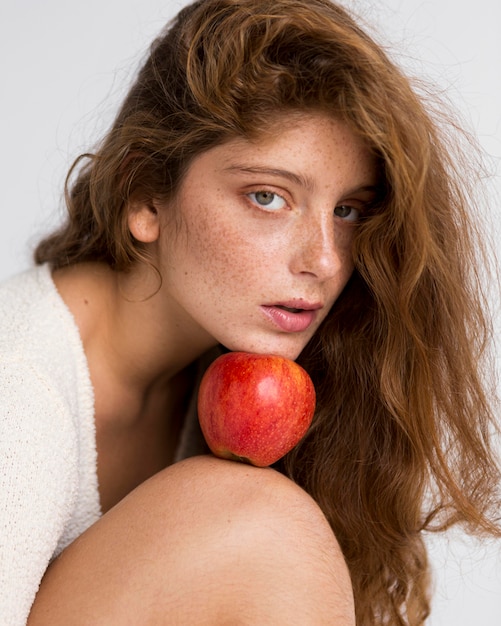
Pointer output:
400, 441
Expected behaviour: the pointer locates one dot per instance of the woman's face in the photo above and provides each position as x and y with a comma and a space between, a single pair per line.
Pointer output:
264, 247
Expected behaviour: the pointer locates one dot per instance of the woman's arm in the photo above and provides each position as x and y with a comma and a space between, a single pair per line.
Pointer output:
37, 484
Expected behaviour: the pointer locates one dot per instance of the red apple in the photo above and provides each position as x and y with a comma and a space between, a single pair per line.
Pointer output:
254, 407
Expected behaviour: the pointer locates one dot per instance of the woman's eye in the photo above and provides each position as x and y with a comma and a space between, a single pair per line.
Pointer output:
346, 212
267, 200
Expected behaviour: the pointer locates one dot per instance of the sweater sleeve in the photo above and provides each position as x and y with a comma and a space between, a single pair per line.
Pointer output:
38, 476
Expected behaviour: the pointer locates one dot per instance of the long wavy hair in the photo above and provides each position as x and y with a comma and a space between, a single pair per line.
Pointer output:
400, 440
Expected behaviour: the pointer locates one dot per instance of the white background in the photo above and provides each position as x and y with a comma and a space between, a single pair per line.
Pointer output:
64, 66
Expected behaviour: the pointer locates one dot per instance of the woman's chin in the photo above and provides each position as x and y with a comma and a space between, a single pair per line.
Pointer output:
287, 349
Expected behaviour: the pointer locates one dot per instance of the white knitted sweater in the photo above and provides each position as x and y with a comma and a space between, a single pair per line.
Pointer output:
48, 461
48, 478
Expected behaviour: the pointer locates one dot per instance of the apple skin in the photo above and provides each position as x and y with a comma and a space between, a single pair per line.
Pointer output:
254, 408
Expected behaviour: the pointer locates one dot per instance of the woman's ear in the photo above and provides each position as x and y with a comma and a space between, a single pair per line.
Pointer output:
143, 221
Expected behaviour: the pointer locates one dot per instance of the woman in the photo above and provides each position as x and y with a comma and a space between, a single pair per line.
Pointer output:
270, 184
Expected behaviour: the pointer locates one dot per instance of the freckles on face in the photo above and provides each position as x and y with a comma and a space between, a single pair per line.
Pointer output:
216, 250
225, 265
266, 234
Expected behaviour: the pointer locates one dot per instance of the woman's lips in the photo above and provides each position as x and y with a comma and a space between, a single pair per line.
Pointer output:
291, 319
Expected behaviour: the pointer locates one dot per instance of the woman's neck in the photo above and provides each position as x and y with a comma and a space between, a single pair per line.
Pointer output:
138, 350
135, 338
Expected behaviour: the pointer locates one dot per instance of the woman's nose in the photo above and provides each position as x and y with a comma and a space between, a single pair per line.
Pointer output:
320, 249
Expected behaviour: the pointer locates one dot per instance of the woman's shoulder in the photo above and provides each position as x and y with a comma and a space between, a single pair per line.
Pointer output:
28, 303
47, 434
45, 383
37, 328
41, 353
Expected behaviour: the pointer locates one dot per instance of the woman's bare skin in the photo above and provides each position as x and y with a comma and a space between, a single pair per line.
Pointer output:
206, 542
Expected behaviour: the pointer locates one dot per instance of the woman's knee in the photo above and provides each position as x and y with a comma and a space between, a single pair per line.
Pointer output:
270, 547
205, 541
217, 495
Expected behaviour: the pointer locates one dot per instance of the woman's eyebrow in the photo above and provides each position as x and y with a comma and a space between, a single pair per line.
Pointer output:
370, 189
304, 181
298, 179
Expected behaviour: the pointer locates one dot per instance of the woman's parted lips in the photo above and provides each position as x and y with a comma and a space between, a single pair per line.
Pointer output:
297, 305
292, 316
